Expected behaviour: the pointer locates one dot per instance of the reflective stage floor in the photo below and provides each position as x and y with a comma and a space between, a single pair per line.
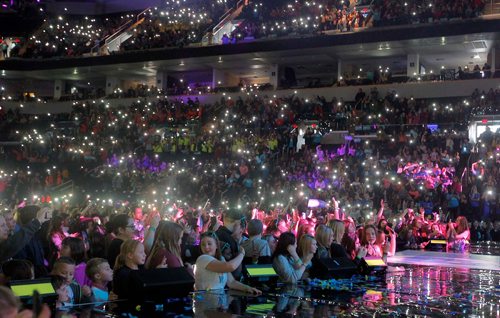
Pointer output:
417, 284
454, 260
413, 291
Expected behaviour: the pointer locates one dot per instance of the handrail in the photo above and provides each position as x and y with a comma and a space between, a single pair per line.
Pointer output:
222, 21
224, 16
120, 30
97, 46
126, 25
107, 37
143, 12
228, 13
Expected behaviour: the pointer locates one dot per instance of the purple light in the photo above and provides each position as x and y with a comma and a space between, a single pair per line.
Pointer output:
4, 5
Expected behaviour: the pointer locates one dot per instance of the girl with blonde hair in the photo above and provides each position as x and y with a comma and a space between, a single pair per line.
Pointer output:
131, 257
307, 248
324, 238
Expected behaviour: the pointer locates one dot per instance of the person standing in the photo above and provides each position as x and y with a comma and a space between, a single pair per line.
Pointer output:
231, 223
123, 228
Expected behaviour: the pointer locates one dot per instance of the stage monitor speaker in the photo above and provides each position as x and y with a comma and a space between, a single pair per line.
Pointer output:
371, 265
24, 289
337, 267
437, 245
155, 284
260, 273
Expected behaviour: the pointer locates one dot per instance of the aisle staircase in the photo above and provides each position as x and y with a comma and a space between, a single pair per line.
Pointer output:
226, 25
113, 41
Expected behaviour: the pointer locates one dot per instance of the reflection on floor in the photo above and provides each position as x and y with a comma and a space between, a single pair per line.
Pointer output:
455, 260
485, 248
417, 284
423, 284
410, 291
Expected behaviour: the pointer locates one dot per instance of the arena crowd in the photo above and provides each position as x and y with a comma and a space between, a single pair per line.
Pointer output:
240, 181
90, 196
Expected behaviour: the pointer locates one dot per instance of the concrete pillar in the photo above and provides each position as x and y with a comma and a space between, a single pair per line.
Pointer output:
161, 80
58, 89
274, 76
111, 84
413, 65
218, 78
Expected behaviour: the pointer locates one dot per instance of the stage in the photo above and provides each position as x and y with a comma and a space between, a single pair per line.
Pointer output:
416, 284
441, 259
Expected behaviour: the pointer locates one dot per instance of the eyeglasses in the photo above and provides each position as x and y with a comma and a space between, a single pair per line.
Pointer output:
224, 246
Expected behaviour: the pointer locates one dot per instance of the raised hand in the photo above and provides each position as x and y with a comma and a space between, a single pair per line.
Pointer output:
155, 220
44, 214
362, 252
335, 203
292, 249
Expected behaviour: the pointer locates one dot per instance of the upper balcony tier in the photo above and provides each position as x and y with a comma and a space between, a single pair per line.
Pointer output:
177, 32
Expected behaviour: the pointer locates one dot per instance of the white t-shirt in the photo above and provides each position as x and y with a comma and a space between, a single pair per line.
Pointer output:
205, 279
